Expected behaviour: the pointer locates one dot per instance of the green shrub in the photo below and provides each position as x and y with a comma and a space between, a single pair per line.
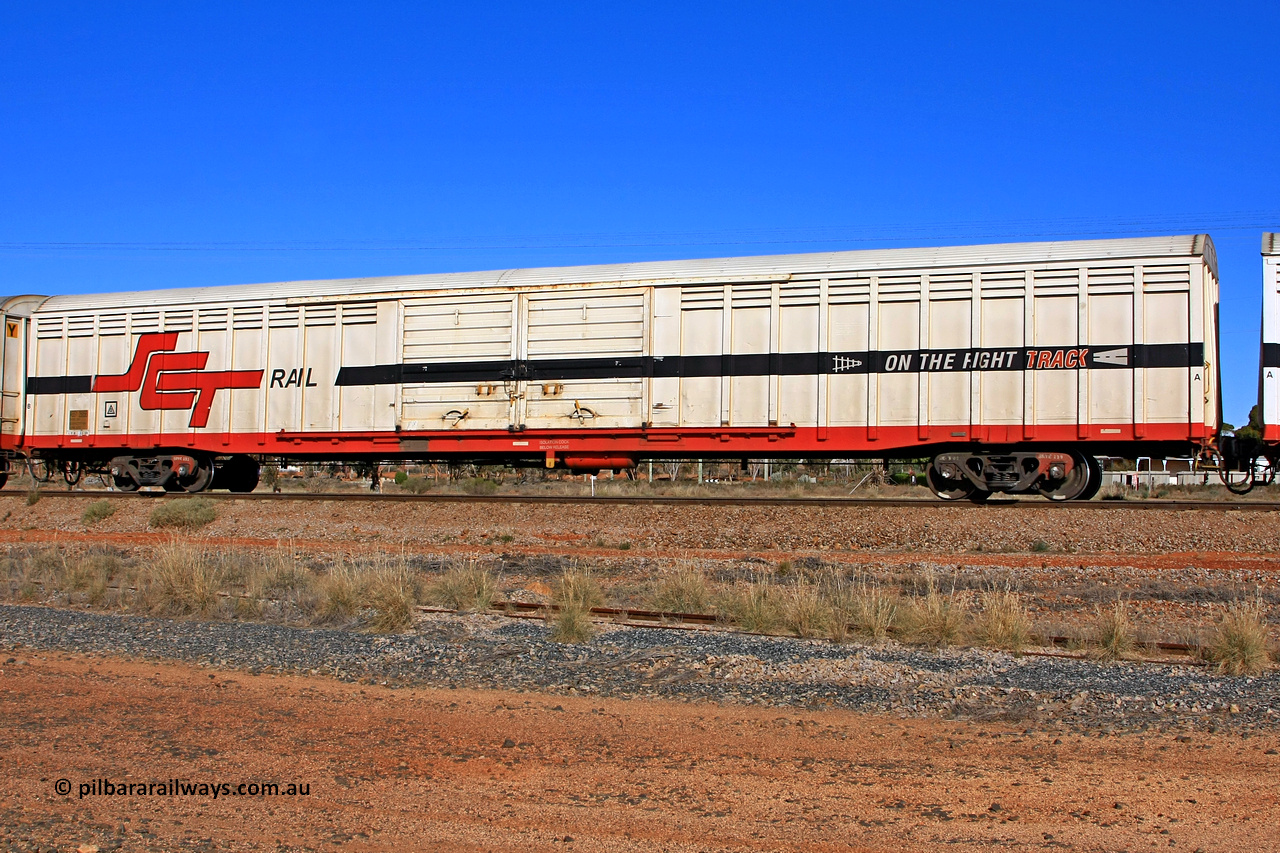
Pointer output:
185, 513
479, 486
414, 485
400, 478
97, 511
33, 497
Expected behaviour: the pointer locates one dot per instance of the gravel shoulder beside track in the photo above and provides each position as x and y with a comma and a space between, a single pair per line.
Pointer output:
832, 530
454, 651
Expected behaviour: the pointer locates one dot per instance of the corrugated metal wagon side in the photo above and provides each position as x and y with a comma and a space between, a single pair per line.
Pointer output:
1269, 376
1007, 366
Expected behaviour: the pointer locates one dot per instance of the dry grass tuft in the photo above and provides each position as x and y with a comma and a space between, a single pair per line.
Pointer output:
1003, 621
184, 514
578, 588
874, 613
338, 592
936, 619
575, 594
683, 589
1239, 643
752, 607
470, 586
392, 593
183, 579
1113, 636
572, 624
806, 612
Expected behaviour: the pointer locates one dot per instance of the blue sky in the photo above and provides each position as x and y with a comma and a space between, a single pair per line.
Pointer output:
153, 145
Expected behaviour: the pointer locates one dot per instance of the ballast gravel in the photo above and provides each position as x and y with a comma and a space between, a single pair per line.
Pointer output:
482, 651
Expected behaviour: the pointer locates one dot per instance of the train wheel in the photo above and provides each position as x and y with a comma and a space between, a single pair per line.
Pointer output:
949, 489
1075, 484
4, 478
1095, 478
238, 474
196, 481
125, 483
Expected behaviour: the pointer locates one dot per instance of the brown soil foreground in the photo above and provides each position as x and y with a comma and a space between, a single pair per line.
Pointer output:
469, 771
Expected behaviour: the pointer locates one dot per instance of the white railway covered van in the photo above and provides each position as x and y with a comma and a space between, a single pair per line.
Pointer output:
1008, 366
1269, 381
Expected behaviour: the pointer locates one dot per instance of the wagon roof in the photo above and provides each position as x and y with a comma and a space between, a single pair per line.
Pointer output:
758, 268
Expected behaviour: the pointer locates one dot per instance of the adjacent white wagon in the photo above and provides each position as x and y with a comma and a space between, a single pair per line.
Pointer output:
1009, 366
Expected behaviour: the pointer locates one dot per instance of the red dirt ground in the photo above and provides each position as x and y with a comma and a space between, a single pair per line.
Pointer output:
428, 770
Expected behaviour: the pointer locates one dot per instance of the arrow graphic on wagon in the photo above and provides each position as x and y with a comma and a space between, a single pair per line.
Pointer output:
1113, 356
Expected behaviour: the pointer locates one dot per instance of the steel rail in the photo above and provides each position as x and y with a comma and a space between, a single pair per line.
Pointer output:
676, 500
701, 621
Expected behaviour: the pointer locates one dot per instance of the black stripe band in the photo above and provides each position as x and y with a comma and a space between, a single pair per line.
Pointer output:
784, 364
983, 359
59, 384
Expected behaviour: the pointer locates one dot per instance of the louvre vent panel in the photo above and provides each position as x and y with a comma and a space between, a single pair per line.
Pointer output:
111, 324
321, 315
282, 316
246, 317
80, 327
49, 327
359, 313
212, 319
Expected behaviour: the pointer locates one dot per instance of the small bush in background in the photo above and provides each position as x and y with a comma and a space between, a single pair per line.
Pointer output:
33, 497
414, 485
401, 477
479, 486
1239, 642
184, 514
97, 511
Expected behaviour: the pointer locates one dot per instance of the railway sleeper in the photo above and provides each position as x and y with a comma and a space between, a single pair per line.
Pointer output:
976, 475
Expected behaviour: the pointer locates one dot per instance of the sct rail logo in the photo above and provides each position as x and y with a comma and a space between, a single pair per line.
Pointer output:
174, 380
